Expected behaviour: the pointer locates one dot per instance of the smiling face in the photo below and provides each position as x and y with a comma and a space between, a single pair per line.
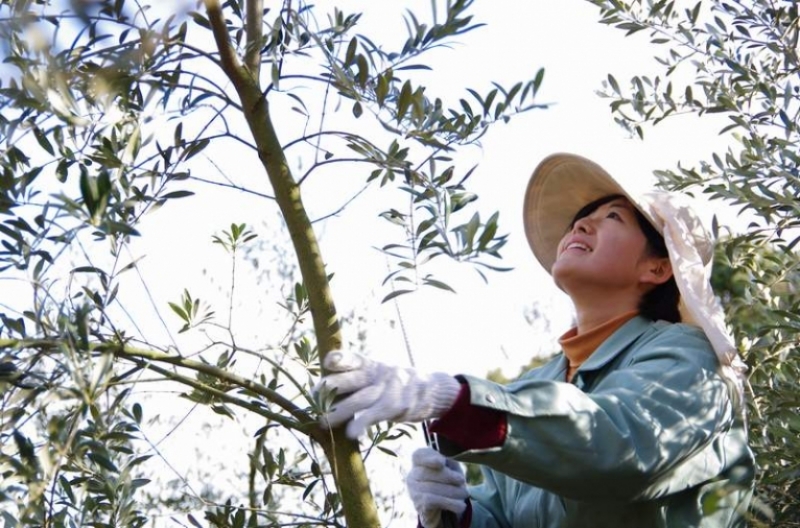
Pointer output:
605, 251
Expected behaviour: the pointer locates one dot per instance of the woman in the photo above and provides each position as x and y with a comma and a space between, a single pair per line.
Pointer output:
639, 423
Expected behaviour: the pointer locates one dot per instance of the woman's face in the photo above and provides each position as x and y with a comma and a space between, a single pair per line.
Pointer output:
605, 250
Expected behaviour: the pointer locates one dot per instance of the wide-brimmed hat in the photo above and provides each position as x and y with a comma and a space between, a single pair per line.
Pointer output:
562, 184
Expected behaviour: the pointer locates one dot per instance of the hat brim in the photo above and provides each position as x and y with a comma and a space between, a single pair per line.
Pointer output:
559, 187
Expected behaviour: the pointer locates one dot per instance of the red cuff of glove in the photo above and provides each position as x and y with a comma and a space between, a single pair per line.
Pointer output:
470, 426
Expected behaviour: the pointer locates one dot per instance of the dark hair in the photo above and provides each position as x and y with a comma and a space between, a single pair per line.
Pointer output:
662, 301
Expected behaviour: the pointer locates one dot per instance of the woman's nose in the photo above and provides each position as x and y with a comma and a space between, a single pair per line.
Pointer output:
582, 225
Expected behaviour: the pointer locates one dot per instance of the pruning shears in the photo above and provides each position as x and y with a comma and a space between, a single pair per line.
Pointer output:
449, 519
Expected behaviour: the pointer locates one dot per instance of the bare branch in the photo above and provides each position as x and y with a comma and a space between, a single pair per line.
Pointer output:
143, 356
328, 162
232, 186
218, 373
227, 55
343, 206
224, 396
255, 30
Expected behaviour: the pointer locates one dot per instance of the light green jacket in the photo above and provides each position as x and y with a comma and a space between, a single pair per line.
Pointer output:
644, 436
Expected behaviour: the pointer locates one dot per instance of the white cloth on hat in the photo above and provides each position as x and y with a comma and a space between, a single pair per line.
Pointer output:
691, 254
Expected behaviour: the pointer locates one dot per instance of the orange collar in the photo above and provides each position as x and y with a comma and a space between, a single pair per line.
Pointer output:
578, 348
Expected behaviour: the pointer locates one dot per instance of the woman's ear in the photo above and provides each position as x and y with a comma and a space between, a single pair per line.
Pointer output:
658, 270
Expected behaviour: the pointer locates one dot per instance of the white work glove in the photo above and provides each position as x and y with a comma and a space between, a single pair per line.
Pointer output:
376, 392
436, 483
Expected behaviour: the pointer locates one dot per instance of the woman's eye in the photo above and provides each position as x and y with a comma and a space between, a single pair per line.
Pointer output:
614, 215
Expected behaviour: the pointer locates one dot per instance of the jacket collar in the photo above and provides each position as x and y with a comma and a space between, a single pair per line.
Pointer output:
616, 343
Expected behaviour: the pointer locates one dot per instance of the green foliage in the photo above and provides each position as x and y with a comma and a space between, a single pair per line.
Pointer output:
90, 467
112, 110
191, 311
760, 288
231, 240
435, 222
738, 59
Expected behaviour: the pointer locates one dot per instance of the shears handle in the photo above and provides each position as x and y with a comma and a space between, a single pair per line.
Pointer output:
449, 519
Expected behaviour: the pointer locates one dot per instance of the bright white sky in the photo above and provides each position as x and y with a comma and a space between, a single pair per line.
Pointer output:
483, 327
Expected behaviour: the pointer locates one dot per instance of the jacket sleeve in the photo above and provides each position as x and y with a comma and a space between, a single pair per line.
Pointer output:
639, 433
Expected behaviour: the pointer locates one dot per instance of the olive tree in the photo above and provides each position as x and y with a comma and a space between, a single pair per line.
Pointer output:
738, 60
114, 109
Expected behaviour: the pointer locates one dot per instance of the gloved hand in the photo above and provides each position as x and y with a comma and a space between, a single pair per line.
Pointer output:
436, 483
379, 392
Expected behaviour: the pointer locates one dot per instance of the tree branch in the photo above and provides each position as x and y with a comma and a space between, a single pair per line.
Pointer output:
143, 356
232, 186
254, 28
343, 206
304, 427
319, 164
227, 55
308, 137
218, 373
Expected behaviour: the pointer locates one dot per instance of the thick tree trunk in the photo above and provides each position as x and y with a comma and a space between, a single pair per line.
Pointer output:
343, 454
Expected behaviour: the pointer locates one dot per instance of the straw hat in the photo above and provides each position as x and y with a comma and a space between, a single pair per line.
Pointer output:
563, 183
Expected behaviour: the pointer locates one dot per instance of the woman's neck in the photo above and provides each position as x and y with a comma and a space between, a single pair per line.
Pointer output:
590, 315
